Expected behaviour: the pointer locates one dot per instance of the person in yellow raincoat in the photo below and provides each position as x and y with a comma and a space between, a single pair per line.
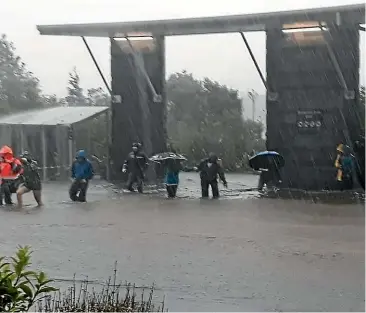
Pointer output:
337, 163
345, 167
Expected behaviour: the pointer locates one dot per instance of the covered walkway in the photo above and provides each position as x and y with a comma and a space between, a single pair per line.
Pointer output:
51, 135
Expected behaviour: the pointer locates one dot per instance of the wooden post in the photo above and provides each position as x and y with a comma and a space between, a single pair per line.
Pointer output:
22, 139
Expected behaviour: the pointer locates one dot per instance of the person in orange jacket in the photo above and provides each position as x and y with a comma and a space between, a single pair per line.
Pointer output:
10, 170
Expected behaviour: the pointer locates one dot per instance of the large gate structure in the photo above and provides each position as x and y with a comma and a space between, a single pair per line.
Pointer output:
312, 82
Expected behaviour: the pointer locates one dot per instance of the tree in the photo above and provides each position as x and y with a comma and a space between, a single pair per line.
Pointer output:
19, 89
51, 101
97, 97
75, 95
253, 95
205, 116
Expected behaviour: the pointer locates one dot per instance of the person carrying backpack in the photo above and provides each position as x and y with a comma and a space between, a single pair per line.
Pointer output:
31, 181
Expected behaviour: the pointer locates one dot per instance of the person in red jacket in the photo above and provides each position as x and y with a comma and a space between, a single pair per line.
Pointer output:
10, 170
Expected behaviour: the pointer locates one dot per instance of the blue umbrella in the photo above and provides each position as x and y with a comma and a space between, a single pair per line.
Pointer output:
266, 159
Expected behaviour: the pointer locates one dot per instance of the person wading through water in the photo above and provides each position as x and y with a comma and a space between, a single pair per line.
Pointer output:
10, 171
270, 176
31, 181
173, 167
136, 164
345, 167
81, 173
209, 170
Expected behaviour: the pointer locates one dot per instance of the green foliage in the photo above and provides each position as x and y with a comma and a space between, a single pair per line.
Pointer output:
97, 97
19, 89
75, 95
204, 116
51, 101
21, 287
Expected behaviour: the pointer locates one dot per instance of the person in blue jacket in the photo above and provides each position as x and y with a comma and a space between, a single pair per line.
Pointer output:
81, 172
173, 167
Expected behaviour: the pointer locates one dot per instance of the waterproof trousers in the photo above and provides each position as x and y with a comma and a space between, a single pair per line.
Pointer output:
78, 190
346, 183
172, 190
205, 185
5, 194
135, 179
6, 189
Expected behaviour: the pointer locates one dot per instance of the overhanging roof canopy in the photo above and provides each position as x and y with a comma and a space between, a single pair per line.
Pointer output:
354, 14
53, 116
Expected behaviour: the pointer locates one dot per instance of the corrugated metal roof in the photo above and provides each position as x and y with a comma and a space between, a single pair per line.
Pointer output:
354, 14
52, 116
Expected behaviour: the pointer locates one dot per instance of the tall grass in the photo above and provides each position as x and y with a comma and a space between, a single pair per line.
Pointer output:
112, 297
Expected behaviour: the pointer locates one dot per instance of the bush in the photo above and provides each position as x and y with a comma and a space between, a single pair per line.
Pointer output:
20, 287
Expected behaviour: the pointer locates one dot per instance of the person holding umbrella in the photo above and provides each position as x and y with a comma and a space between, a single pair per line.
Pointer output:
172, 163
269, 164
173, 167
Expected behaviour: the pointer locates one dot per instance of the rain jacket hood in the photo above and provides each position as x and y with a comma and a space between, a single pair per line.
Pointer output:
6, 152
81, 154
10, 167
340, 147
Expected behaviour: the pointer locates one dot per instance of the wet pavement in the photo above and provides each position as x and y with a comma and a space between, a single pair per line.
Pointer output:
240, 253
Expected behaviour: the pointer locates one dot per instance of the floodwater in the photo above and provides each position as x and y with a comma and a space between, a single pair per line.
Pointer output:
239, 253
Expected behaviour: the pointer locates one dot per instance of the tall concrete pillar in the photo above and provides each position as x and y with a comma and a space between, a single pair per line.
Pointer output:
136, 115
311, 115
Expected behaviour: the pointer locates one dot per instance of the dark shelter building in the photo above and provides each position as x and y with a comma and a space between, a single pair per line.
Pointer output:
52, 135
312, 82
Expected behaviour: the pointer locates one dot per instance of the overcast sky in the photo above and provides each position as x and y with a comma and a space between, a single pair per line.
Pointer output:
220, 57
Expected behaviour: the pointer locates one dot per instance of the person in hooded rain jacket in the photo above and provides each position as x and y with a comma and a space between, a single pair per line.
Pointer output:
31, 180
209, 169
10, 171
173, 167
345, 166
81, 173
337, 162
136, 164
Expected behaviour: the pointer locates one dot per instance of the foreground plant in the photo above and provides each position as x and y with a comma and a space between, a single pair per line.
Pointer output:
20, 287
109, 299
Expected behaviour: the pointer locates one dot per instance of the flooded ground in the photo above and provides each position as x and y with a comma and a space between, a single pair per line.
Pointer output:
240, 253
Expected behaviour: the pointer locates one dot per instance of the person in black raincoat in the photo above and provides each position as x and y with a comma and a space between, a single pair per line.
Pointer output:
136, 164
31, 181
209, 170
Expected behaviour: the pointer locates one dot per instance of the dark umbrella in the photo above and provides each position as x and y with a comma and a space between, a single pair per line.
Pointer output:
164, 156
266, 159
